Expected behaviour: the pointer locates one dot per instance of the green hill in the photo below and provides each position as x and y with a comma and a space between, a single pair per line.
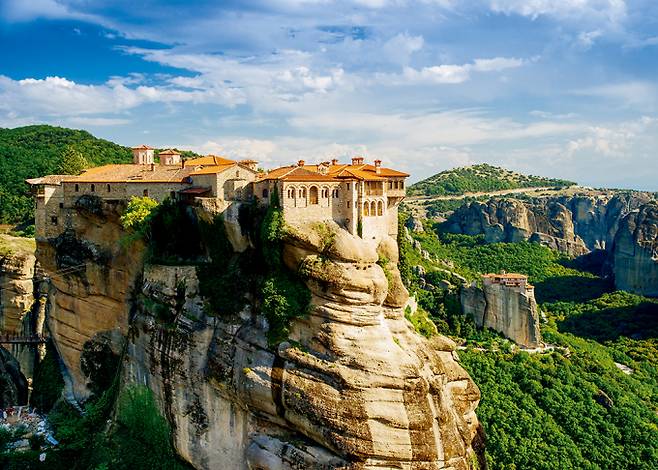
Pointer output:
480, 178
33, 151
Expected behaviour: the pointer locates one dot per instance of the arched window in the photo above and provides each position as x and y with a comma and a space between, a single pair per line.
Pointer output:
108, 188
380, 208
313, 195
77, 188
266, 193
93, 188
366, 209
373, 208
237, 173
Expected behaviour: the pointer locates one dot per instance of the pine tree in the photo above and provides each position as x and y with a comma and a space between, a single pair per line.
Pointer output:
72, 162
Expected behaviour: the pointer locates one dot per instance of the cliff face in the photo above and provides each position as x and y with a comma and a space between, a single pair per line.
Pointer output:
92, 275
355, 387
22, 301
573, 225
635, 252
511, 311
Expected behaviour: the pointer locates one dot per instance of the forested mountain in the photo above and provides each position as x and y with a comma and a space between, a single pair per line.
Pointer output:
480, 178
33, 151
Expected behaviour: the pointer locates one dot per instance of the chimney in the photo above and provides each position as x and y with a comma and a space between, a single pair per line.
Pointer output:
301, 163
357, 160
378, 166
334, 161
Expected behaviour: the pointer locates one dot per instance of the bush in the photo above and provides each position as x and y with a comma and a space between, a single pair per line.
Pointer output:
136, 218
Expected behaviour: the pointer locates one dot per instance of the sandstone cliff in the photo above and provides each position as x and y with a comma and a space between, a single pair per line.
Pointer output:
511, 311
354, 387
92, 275
574, 225
22, 300
635, 252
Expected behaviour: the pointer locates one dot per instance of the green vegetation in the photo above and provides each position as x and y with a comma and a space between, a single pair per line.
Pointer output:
33, 151
567, 410
137, 216
285, 296
480, 178
10, 244
72, 162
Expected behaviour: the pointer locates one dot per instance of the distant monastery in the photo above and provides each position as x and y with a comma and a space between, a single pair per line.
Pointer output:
361, 198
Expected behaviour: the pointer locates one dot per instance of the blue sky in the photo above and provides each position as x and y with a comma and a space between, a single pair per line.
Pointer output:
564, 88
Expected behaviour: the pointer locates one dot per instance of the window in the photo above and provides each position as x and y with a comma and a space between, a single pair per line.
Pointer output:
373, 208
380, 208
313, 195
390, 185
172, 195
108, 188
401, 184
53, 220
348, 186
146, 193
237, 173
61, 205
266, 193
77, 188
93, 188
366, 209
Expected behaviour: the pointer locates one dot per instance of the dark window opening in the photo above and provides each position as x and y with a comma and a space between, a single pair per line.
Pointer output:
108, 188
266, 193
93, 188
146, 193
61, 205
77, 188
53, 220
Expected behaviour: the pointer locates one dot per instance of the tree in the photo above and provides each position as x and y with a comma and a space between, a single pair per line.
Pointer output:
72, 162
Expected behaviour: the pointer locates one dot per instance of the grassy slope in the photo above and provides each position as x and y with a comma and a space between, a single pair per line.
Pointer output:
548, 411
480, 178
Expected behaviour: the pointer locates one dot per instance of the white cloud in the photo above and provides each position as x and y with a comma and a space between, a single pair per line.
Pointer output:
451, 73
57, 96
611, 12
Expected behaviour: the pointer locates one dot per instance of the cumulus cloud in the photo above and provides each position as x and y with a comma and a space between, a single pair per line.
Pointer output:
608, 11
57, 96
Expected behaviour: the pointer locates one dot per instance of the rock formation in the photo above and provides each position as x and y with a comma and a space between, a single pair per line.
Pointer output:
510, 310
354, 387
22, 303
574, 225
635, 252
92, 274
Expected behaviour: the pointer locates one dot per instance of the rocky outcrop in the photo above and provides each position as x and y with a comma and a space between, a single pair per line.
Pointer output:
511, 311
574, 225
22, 302
13, 385
354, 388
92, 270
635, 252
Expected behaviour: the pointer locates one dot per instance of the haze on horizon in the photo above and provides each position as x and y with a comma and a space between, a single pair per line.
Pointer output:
560, 88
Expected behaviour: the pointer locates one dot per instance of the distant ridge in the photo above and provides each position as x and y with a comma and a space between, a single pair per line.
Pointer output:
480, 178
